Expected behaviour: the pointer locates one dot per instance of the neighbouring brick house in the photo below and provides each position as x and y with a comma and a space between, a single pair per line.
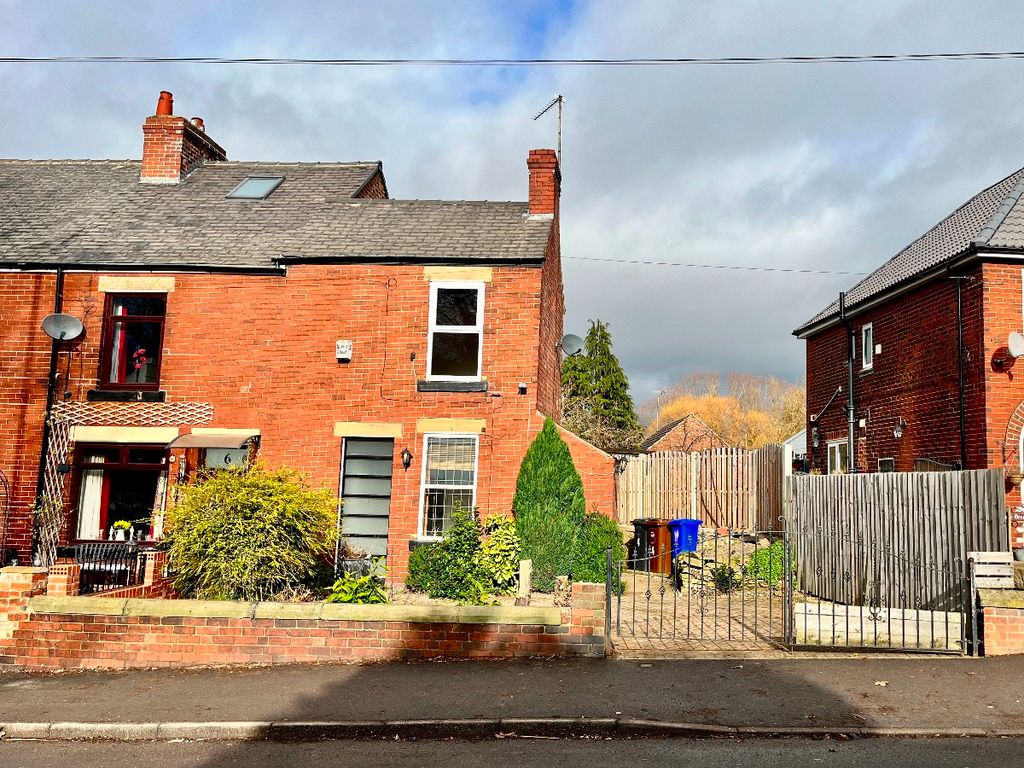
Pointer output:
919, 403
689, 433
401, 352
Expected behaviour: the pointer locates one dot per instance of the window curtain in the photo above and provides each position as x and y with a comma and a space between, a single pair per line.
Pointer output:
90, 501
117, 370
159, 507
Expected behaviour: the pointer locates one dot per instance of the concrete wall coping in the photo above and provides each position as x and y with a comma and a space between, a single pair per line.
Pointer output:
1002, 598
420, 614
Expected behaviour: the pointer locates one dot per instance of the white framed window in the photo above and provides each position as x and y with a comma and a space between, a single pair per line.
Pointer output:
455, 340
838, 458
867, 347
449, 478
887, 465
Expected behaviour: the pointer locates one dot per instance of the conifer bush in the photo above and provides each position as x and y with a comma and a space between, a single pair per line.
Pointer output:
549, 507
248, 535
597, 535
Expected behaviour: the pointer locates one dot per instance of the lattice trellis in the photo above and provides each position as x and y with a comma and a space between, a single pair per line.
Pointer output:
134, 414
50, 510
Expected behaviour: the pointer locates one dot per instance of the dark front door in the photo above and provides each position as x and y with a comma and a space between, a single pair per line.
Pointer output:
366, 493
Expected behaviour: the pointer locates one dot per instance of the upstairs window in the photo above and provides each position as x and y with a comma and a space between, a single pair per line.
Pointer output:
133, 331
456, 329
867, 348
256, 188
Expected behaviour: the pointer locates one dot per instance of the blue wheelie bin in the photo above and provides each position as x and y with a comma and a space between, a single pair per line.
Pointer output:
684, 536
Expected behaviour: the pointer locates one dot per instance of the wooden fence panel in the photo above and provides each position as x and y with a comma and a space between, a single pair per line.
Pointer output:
898, 540
725, 487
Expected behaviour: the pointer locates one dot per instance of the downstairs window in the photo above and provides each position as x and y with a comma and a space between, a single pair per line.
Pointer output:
449, 479
119, 487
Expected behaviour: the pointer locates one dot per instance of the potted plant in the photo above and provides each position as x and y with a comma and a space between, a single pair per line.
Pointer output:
120, 529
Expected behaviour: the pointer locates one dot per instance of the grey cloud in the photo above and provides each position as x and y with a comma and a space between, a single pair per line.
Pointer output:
829, 166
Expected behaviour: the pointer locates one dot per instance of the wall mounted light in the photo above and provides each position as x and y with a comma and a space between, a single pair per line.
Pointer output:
406, 457
897, 431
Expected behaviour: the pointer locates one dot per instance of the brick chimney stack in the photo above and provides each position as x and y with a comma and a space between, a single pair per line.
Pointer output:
172, 146
545, 182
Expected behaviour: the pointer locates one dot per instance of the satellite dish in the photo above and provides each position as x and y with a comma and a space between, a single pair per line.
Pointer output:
573, 344
1016, 344
62, 327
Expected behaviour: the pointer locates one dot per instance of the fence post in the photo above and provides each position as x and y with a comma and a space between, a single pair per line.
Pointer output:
694, 464
608, 591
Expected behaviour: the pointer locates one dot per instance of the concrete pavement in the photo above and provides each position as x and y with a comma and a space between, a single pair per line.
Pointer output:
928, 694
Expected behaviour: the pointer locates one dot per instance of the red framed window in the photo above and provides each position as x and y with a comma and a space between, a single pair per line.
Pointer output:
133, 333
118, 483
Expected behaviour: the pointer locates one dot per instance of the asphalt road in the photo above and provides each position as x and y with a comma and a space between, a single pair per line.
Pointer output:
522, 753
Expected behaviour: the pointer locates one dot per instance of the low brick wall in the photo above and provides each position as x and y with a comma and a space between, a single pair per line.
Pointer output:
1003, 621
47, 632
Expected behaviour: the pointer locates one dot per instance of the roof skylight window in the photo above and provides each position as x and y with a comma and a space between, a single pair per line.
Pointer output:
256, 187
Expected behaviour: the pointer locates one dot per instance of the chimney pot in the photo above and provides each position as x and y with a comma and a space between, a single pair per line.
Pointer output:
198, 123
165, 106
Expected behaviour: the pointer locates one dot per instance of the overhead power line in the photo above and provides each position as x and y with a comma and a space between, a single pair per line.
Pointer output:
644, 61
737, 267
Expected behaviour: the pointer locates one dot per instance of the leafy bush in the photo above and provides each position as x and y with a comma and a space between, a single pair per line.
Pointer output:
498, 556
549, 507
449, 568
249, 535
725, 578
597, 534
364, 588
767, 563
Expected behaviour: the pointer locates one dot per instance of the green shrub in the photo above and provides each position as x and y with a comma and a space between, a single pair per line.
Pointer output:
367, 588
725, 578
767, 563
249, 535
449, 568
549, 507
597, 534
421, 562
498, 556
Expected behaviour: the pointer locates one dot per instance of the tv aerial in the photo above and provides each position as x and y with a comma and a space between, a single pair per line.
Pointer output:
1015, 344
559, 101
572, 344
62, 327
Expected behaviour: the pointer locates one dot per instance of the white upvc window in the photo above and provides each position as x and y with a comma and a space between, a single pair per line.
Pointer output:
449, 479
838, 455
455, 343
867, 347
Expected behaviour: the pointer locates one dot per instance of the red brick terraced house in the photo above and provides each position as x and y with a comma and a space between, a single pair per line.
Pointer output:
924, 341
401, 352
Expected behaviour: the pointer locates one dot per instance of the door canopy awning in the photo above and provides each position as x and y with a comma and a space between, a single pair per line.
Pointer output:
234, 440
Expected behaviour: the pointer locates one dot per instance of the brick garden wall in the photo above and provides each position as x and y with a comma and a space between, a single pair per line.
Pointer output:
1004, 631
68, 633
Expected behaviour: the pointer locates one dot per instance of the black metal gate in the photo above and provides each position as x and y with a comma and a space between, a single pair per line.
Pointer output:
728, 594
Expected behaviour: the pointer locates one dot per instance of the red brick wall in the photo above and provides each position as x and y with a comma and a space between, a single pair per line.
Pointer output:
915, 377
1004, 631
375, 188
94, 639
597, 471
260, 349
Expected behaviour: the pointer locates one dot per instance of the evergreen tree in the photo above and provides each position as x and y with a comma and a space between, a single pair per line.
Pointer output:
595, 392
549, 507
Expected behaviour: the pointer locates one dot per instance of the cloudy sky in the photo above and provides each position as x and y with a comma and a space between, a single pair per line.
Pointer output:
830, 167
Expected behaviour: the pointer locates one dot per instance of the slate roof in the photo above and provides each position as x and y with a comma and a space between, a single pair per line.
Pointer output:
96, 212
653, 438
991, 220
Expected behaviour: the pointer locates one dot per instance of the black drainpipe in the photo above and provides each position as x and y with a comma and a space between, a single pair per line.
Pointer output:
51, 386
960, 368
851, 461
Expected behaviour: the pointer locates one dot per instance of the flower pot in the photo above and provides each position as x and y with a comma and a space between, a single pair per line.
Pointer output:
1018, 555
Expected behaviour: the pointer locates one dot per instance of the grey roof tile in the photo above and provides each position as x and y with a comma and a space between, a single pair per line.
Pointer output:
97, 212
994, 218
